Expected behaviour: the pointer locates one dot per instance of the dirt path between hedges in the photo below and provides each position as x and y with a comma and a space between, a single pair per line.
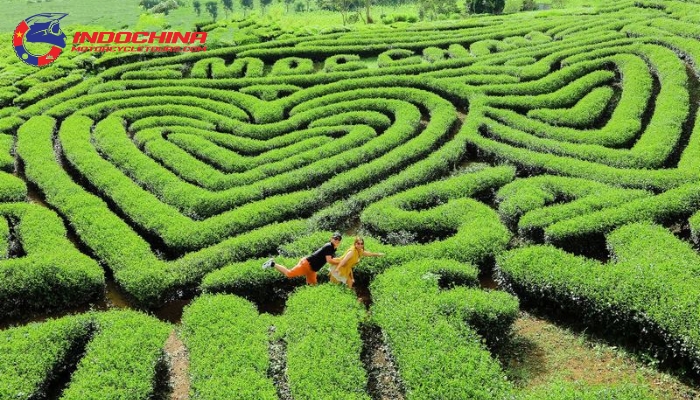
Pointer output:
179, 367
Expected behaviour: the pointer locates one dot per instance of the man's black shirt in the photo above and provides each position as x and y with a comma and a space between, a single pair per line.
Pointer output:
318, 259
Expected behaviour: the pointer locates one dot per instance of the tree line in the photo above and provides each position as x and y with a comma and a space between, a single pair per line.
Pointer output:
350, 10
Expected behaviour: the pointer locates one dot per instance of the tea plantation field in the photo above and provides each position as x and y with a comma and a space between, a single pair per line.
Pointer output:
559, 151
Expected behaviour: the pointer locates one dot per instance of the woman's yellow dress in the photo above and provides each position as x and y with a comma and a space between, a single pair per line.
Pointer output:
342, 273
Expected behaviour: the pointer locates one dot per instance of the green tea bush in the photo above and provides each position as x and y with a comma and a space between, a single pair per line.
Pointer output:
118, 355
292, 66
270, 92
397, 57
485, 47
44, 89
227, 343
321, 329
583, 114
662, 208
34, 355
535, 203
465, 229
53, 274
437, 354
490, 313
344, 62
646, 293
217, 68
122, 359
153, 74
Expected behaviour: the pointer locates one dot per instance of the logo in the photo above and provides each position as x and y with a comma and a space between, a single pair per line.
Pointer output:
39, 31
139, 41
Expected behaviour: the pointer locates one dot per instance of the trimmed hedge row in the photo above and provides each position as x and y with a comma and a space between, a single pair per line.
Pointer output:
172, 122
484, 47
122, 360
12, 188
663, 179
9, 124
397, 57
142, 207
153, 74
227, 343
44, 89
437, 354
321, 329
443, 209
226, 160
46, 74
136, 107
136, 268
343, 62
581, 115
216, 68
98, 101
491, 313
535, 203
270, 92
674, 204
648, 294
32, 356
118, 355
53, 275
292, 66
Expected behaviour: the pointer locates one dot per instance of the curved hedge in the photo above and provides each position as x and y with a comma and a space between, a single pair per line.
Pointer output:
181, 173
117, 354
648, 294
53, 274
437, 354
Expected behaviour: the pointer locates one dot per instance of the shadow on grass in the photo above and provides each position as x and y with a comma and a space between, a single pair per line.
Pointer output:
522, 359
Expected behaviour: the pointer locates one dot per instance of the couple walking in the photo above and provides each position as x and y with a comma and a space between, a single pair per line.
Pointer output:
341, 268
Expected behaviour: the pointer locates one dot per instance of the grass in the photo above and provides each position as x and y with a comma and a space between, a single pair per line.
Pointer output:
542, 353
112, 14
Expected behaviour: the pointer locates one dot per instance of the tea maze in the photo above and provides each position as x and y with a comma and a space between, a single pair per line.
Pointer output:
564, 146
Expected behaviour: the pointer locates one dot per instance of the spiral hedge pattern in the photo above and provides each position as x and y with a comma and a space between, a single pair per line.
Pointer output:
532, 139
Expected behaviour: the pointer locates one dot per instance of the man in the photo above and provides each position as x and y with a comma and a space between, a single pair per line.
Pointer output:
309, 266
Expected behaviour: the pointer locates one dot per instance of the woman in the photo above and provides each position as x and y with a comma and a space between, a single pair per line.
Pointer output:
343, 271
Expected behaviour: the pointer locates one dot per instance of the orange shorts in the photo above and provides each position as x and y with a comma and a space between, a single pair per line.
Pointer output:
302, 268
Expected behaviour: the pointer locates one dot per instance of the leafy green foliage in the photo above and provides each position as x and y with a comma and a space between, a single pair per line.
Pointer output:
647, 293
33, 355
53, 274
321, 329
237, 368
438, 356
186, 171
117, 355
